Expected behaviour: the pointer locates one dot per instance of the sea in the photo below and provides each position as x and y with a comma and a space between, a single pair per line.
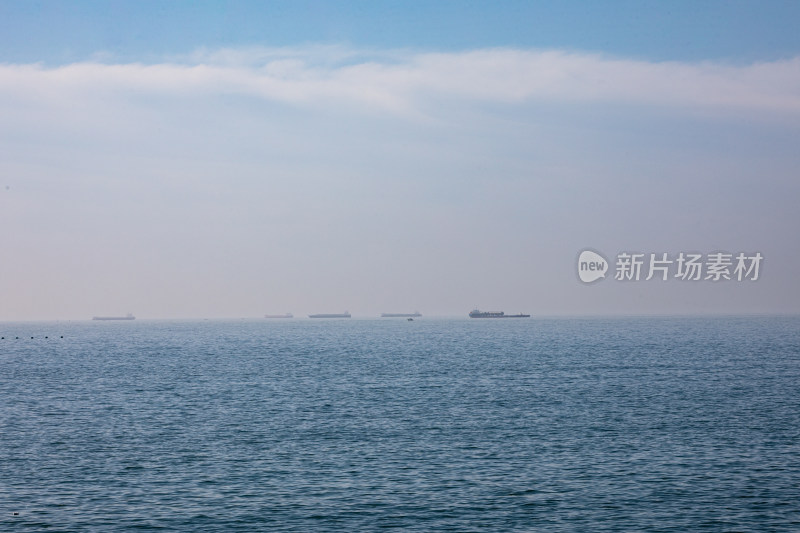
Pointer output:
437, 424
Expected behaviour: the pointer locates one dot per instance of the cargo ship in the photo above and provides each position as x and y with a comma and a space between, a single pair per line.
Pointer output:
331, 315
401, 315
477, 313
126, 317
285, 315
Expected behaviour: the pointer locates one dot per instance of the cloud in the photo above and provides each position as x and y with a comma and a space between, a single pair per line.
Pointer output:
406, 83
217, 183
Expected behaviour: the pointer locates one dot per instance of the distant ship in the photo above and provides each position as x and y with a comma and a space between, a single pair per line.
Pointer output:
285, 315
476, 313
400, 315
331, 315
126, 317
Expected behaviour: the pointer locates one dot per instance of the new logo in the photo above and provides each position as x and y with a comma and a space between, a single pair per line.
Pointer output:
591, 266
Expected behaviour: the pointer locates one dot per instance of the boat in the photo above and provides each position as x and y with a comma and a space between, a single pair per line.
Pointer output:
477, 313
331, 315
126, 317
285, 315
415, 314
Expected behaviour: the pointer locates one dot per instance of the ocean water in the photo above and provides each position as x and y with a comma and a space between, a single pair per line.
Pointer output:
624, 424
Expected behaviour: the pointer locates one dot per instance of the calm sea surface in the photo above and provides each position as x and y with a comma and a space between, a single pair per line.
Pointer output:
657, 424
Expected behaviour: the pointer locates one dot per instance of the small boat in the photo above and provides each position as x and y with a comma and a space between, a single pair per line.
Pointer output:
477, 313
331, 315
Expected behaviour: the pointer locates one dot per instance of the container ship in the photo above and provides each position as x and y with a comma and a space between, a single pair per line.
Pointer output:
126, 317
477, 313
285, 315
331, 315
415, 314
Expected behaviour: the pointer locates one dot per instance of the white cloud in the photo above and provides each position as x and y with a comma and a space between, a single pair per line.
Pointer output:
403, 82
219, 182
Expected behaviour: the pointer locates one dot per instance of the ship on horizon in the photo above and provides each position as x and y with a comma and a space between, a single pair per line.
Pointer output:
346, 314
285, 315
126, 317
415, 314
477, 313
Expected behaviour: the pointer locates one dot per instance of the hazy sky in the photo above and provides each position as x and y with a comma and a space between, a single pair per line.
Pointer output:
230, 159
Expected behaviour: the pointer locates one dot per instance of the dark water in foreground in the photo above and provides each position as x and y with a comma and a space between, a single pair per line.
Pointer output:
465, 425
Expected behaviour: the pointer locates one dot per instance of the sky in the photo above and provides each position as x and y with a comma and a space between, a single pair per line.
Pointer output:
231, 159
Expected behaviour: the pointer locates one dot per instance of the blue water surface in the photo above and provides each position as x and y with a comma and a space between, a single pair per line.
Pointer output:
623, 424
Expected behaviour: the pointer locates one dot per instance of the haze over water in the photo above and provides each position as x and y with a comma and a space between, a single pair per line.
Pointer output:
231, 160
